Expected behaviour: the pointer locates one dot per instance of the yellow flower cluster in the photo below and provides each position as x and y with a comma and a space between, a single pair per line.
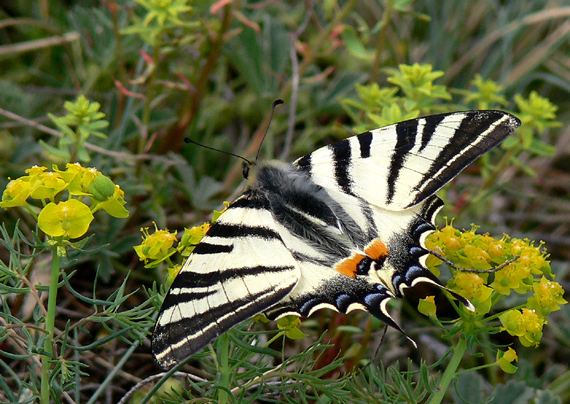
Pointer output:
530, 273
472, 286
525, 324
68, 219
519, 275
158, 247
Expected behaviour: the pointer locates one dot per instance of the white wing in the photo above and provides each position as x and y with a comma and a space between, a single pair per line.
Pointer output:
239, 269
399, 166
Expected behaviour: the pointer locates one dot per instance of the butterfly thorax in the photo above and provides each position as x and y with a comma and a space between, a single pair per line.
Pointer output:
305, 208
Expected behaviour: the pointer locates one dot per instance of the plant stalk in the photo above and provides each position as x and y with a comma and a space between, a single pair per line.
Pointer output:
450, 372
50, 327
224, 368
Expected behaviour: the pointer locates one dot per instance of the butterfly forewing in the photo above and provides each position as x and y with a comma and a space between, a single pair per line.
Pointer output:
240, 268
398, 166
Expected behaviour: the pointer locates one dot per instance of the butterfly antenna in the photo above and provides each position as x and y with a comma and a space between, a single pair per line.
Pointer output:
275, 103
188, 140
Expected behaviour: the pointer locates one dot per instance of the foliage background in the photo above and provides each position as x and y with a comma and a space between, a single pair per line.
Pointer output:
212, 75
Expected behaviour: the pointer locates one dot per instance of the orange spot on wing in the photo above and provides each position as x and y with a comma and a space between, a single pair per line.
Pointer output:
377, 250
349, 266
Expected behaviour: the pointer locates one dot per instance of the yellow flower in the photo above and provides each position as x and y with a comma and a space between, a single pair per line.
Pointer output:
35, 171
290, 324
476, 257
108, 196
548, 296
191, 238
472, 287
48, 185
450, 237
16, 193
505, 360
115, 205
515, 276
525, 324
70, 219
496, 248
78, 178
155, 246
453, 242
427, 306
18, 190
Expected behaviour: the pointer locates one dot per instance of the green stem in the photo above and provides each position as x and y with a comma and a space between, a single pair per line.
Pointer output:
499, 168
50, 327
224, 369
381, 41
274, 338
488, 365
450, 372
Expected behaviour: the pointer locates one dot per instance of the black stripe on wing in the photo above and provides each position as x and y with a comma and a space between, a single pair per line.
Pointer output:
231, 230
342, 159
191, 334
206, 248
187, 280
479, 132
406, 138
249, 200
304, 163
430, 126
226, 230
365, 141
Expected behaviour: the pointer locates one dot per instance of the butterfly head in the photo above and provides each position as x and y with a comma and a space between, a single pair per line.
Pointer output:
245, 167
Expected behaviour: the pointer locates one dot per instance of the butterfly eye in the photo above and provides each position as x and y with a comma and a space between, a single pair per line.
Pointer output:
245, 170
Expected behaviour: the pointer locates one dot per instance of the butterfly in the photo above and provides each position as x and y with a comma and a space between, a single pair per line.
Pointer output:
342, 228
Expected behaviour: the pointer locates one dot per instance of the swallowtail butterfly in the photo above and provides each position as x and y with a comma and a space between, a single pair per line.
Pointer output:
341, 228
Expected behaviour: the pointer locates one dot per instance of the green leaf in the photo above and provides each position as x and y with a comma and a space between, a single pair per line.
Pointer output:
295, 333
354, 45
512, 393
469, 389
246, 54
541, 148
63, 154
547, 397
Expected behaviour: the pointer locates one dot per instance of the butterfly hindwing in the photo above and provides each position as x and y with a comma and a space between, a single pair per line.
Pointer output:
392, 260
385, 179
240, 268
